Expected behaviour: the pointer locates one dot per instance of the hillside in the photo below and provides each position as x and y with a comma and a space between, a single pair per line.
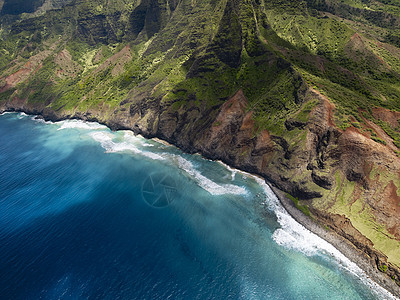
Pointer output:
304, 93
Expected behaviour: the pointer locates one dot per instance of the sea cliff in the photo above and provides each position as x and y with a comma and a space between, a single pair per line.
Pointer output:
298, 93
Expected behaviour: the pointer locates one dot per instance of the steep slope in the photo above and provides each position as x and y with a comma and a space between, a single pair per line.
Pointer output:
304, 93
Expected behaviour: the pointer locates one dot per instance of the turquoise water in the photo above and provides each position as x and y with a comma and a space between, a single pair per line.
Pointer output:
86, 213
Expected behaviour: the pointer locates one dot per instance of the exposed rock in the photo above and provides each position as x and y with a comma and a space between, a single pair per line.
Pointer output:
322, 181
292, 124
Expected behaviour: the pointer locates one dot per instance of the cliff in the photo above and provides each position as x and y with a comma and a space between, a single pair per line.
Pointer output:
303, 93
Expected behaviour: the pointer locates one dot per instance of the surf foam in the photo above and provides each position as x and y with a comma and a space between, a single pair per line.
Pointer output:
133, 144
106, 141
207, 184
232, 170
22, 115
79, 124
293, 235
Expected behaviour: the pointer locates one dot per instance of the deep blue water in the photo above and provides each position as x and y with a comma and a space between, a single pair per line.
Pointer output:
86, 213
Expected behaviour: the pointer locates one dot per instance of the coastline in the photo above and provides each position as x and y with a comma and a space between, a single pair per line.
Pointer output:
340, 243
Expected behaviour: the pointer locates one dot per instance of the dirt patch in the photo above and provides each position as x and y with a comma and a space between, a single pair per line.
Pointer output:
380, 134
231, 109
391, 203
359, 49
325, 109
67, 67
22, 74
117, 62
230, 118
248, 122
386, 115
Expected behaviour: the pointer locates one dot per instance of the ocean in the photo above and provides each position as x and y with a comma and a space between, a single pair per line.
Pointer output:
87, 213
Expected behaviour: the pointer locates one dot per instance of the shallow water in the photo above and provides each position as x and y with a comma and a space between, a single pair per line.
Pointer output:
90, 213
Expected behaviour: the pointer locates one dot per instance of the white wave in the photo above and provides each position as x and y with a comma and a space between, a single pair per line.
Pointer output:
22, 115
233, 171
295, 236
130, 141
162, 142
106, 141
40, 120
79, 124
133, 144
153, 156
210, 186
291, 234
6, 113
130, 137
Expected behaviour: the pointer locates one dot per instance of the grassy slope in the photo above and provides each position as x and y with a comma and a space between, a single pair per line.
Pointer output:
355, 75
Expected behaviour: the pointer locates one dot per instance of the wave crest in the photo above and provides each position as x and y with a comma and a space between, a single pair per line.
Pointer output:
106, 141
78, 124
293, 235
207, 184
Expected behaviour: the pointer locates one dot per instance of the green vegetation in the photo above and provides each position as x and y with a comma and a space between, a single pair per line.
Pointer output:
383, 268
208, 64
378, 140
394, 133
342, 200
302, 208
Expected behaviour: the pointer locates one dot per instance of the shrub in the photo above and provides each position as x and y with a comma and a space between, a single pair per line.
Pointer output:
383, 268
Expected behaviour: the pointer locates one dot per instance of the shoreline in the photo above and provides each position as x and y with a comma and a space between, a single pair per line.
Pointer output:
337, 241
330, 236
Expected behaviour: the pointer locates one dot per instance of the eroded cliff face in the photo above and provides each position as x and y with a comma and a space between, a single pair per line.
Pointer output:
318, 172
234, 81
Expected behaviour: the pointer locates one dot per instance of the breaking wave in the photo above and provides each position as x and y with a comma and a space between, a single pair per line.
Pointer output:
78, 124
106, 141
207, 184
133, 144
293, 235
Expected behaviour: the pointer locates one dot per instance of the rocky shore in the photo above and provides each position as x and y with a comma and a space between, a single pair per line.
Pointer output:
339, 242
342, 235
